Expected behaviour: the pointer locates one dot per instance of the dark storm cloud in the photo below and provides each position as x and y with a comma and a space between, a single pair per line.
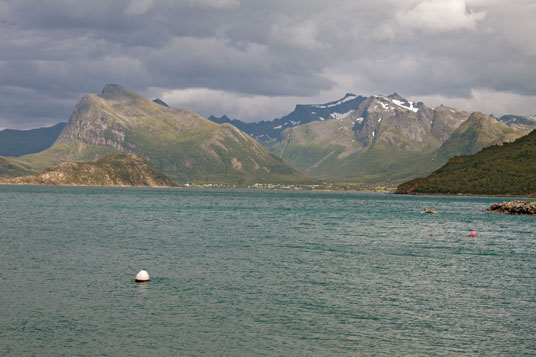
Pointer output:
261, 54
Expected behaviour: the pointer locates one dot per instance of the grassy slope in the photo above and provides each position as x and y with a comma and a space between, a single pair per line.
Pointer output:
509, 169
306, 145
375, 164
12, 167
316, 149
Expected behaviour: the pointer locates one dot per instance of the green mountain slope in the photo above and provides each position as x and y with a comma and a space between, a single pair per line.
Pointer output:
12, 167
112, 170
509, 169
180, 143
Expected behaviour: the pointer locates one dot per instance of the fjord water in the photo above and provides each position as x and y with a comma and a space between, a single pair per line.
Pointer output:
262, 273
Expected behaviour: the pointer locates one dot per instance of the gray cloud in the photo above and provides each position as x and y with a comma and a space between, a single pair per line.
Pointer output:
262, 55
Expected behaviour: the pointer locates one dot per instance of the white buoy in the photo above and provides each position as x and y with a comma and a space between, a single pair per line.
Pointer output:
142, 276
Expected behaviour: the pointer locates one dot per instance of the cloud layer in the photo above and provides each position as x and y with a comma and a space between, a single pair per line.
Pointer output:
440, 16
255, 59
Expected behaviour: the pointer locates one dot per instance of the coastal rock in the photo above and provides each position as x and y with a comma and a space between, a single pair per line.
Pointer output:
113, 170
515, 207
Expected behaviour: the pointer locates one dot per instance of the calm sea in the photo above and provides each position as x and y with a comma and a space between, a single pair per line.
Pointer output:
262, 273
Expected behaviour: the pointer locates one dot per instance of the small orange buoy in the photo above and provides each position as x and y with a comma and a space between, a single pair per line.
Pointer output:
473, 234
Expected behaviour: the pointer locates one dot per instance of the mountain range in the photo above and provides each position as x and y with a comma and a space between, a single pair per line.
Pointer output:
183, 145
379, 139
383, 140
268, 131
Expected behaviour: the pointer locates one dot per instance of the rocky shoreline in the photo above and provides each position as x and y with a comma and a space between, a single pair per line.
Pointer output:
515, 207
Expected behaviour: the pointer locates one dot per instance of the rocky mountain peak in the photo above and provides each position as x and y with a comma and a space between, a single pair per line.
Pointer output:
478, 116
397, 96
114, 91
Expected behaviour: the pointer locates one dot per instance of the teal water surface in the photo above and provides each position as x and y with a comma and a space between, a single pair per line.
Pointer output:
262, 273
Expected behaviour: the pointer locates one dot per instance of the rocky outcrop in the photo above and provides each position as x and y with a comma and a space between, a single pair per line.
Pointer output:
113, 170
515, 207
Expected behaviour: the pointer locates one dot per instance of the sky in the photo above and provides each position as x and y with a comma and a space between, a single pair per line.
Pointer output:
255, 60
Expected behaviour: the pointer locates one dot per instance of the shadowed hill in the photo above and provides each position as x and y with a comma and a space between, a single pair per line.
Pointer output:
21, 142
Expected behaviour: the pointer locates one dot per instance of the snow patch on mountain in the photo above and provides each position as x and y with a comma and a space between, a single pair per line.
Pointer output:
402, 105
336, 115
347, 98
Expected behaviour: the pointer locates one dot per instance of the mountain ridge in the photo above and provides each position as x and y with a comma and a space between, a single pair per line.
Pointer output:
384, 139
267, 131
15, 142
180, 143
375, 139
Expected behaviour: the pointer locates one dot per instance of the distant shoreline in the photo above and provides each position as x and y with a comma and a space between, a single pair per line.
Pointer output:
286, 188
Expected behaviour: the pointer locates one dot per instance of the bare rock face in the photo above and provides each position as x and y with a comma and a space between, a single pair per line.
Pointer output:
91, 124
515, 207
